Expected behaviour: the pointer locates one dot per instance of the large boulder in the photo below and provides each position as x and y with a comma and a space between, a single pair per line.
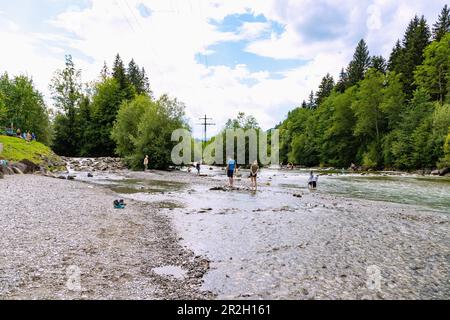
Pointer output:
444, 171
17, 170
435, 172
31, 167
21, 167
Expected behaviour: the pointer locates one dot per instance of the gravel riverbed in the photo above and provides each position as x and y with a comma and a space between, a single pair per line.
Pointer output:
63, 240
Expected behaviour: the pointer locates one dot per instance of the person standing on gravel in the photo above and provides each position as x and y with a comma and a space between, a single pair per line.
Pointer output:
146, 163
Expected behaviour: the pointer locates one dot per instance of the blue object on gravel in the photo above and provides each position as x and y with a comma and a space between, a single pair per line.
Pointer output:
119, 204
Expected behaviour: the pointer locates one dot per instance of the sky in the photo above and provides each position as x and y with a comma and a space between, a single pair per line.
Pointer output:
261, 57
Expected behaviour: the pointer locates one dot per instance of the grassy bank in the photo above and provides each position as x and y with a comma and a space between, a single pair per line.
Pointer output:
15, 149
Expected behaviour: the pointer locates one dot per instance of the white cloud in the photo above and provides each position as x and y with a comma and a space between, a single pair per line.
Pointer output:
252, 30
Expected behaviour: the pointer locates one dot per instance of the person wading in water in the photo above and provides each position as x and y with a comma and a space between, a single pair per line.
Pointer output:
231, 167
254, 169
146, 163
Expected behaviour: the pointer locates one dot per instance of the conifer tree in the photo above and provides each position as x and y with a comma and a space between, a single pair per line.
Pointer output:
145, 83
325, 88
442, 25
311, 101
378, 63
359, 65
304, 105
342, 82
395, 57
119, 73
416, 39
104, 73
134, 76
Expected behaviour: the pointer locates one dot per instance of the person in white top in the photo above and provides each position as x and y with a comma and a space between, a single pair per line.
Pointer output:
312, 181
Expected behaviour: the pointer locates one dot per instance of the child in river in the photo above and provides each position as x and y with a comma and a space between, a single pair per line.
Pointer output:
254, 169
312, 181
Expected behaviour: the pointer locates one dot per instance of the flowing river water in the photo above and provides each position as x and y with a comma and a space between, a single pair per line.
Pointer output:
270, 244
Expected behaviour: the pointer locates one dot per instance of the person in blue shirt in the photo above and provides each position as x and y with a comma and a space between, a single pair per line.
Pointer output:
231, 168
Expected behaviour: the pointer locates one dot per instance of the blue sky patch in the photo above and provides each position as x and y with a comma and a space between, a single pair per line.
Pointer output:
33, 16
144, 10
233, 53
232, 23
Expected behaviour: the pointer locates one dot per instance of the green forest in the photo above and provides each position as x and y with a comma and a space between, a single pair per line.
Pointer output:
116, 115
381, 113
391, 114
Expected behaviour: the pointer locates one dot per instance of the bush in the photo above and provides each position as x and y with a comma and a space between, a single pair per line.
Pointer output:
144, 127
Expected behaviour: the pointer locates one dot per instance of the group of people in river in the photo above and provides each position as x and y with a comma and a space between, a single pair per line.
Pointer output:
232, 169
254, 170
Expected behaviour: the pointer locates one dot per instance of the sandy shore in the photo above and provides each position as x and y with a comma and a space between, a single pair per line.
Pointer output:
53, 229
324, 247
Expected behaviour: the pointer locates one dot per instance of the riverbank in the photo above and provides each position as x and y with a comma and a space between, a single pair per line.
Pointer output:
52, 228
16, 150
264, 245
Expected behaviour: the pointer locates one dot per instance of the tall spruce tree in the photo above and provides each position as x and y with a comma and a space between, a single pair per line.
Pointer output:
442, 25
416, 39
342, 82
119, 73
311, 101
134, 76
138, 78
145, 83
304, 105
395, 57
359, 65
325, 88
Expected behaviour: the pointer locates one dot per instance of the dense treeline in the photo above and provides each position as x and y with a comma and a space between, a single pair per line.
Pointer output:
22, 107
242, 121
115, 116
380, 114
86, 116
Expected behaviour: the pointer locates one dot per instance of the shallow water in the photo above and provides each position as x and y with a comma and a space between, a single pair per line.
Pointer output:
429, 193
432, 193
